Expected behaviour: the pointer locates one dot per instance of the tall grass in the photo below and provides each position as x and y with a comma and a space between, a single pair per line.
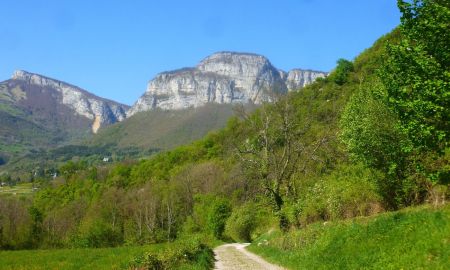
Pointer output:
177, 255
99, 258
414, 238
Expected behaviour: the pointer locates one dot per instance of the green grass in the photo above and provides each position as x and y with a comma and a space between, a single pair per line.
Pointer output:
20, 189
187, 253
12, 148
414, 238
97, 258
9, 108
165, 129
101, 258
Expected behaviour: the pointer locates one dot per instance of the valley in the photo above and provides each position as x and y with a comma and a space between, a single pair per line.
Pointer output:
233, 163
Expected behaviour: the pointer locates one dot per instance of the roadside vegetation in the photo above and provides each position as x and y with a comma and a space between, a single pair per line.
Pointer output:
347, 151
413, 238
176, 255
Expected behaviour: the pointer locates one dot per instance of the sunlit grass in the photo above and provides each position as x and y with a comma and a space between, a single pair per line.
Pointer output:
68, 259
414, 238
20, 189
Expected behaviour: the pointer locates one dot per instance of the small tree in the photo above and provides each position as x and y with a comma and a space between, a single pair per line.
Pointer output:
37, 219
340, 74
416, 73
276, 145
242, 223
217, 218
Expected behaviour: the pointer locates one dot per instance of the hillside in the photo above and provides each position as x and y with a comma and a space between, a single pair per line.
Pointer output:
163, 130
214, 168
414, 238
37, 112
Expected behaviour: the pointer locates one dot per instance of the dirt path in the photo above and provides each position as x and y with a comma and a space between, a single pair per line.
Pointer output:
236, 257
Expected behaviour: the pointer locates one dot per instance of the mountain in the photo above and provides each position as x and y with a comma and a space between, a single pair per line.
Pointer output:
52, 96
37, 111
223, 78
158, 129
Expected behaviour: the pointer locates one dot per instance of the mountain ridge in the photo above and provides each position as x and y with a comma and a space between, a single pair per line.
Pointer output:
39, 112
223, 77
20, 74
100, 111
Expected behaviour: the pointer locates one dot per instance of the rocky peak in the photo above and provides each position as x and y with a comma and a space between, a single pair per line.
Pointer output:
223, 77
232, 63
99, 110
299, 78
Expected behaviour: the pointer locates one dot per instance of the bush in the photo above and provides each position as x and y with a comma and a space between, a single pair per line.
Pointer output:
348, 192
343, 69
188, 252
218, 215
101, 234
208, 217
242, 223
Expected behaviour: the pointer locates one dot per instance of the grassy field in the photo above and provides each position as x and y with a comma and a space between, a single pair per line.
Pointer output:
139, 257
99, 258
165, 129
414, 238
20, 189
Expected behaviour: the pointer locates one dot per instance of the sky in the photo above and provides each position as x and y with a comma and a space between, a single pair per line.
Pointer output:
113, 48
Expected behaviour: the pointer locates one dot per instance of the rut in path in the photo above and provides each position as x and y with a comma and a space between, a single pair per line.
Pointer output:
236, 257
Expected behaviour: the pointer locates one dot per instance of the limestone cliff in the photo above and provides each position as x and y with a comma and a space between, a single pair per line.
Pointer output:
224, 77
49, 94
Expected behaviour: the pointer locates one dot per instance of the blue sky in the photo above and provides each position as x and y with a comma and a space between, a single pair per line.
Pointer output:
113, 48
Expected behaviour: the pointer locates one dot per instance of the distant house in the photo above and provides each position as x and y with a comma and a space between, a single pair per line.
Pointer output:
106, 159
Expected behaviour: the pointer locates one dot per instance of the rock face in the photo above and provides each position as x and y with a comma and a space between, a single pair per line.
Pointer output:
299, 78
37, 89
224, 77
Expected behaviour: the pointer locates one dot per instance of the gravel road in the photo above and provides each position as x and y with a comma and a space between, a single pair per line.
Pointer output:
236, 257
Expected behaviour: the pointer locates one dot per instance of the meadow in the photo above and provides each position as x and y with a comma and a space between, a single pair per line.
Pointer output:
20, 189
176, 255
89, 258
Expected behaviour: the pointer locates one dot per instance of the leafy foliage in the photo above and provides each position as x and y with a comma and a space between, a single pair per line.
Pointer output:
180, 254
342, 71
348, 192
242, 223
370, 131
416, 73
221, 210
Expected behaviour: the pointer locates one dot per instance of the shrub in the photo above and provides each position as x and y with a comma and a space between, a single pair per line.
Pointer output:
348, 192
208, 217
188, 252
242, 223
343, 69
101, 234
218, 215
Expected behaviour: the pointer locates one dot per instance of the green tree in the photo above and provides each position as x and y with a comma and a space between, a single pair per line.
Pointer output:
369, 130
416, 73
373, 136
36, 231
277, 143
218, 215
343, 69
242, 223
